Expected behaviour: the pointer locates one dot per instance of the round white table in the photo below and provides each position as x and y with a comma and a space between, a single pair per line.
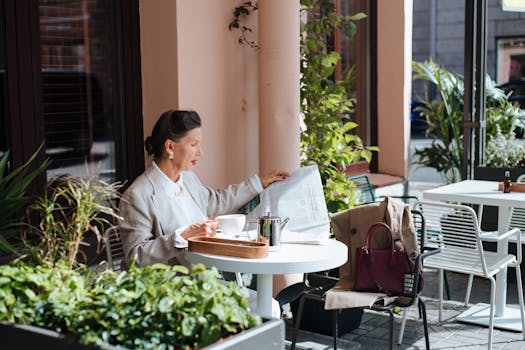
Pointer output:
292, 258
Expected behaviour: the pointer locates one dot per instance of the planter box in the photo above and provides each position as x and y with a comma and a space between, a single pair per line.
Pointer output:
496, 174
268, 336
30, 337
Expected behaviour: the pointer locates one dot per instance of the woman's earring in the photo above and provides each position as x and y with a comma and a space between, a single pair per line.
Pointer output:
171, 155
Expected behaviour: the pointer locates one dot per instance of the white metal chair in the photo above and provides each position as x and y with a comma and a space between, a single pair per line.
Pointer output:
460, 241
114, 249
517, 216
517, 220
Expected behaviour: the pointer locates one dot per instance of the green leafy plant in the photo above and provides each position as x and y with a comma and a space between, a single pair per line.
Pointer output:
13, 197
241, 11
326, 105
504, 151
445, 118
71, 207
156, 307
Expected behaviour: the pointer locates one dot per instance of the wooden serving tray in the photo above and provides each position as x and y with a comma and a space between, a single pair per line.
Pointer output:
516, 187
229, 247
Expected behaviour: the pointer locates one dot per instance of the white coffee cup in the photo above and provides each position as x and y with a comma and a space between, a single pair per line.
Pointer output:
231, 225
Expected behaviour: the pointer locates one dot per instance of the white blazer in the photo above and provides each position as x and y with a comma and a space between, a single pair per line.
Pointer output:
147, 227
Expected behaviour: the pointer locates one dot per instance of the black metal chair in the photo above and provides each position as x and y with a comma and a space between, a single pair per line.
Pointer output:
317, 292
365, 193
114, 249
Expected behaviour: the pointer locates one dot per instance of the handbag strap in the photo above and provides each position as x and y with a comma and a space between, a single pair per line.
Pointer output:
368, 243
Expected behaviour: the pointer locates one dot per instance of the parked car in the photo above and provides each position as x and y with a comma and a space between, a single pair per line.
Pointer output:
418, 122
517, 90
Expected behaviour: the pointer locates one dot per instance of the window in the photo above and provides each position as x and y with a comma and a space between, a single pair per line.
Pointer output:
78, 65
511, 68
73, 82
3, 112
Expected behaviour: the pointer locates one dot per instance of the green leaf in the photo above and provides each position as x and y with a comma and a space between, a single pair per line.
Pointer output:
358, 16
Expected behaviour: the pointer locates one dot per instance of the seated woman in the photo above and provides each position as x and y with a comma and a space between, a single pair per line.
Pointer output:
168, 204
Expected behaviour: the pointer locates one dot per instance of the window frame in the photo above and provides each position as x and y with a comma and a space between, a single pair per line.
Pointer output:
24, 97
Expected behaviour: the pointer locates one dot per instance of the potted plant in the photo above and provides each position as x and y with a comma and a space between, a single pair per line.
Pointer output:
502, 152
13, 198
445, 119
49, 296
153, 307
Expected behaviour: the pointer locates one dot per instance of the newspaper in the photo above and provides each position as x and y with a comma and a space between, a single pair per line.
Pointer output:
301, 198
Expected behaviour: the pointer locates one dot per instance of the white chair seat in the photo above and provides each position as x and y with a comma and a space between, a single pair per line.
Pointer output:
466, 264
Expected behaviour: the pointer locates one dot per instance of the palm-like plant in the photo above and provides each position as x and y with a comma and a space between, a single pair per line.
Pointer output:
13, 197
445, 118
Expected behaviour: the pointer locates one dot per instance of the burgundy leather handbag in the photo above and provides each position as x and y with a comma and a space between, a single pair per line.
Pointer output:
380, 270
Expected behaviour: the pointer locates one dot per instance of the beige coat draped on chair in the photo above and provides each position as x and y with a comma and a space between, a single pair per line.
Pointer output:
351, 227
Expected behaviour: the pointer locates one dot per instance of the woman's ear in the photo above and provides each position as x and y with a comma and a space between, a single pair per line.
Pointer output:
169, 148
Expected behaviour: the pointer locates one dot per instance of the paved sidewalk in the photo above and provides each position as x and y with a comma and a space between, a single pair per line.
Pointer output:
449, 334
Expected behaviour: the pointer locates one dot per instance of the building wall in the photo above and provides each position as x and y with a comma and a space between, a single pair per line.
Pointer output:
394, 38
449, 38
158, 43
191, 61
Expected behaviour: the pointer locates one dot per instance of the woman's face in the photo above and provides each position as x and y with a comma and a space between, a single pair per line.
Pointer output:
187, 150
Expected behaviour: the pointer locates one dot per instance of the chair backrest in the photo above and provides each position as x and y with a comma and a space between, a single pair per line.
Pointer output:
364, 192
517, 217
410, 283
454, 229
114, 249
419, 224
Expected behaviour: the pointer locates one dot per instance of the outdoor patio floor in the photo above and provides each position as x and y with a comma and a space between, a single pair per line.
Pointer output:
449, 334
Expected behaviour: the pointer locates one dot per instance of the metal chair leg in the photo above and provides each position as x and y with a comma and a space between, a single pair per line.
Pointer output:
469, 289
297, 322
391, 330
447, 288
520, 298
402, 327
423, 308
335, 315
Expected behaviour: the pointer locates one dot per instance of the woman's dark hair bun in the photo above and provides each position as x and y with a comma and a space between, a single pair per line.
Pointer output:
173, 125
149, 146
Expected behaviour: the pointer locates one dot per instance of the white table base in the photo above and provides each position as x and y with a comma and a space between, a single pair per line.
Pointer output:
264, 295
480, 314
290, 259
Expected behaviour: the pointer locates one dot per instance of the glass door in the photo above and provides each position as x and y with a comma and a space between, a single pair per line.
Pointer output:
79, 50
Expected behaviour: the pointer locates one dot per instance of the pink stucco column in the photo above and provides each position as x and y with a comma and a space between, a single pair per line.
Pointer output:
279, 108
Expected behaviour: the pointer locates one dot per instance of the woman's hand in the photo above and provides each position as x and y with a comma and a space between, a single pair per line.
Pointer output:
205, 228
276, 175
